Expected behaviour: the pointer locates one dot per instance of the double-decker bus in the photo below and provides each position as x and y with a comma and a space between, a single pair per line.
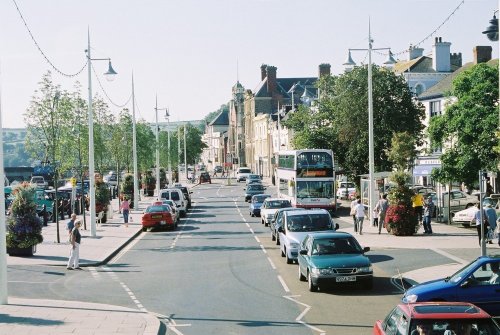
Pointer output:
307, 178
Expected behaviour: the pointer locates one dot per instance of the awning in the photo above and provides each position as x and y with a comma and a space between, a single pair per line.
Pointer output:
424, 170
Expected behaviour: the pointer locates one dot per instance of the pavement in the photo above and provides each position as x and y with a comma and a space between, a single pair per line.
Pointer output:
40, 317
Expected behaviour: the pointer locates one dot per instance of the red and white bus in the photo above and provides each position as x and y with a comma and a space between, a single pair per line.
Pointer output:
307, 178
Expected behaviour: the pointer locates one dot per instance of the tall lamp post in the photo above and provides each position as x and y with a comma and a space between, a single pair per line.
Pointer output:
158, 149
371, 161
3, 243
134, 150
109, 76
492, 33
169, 160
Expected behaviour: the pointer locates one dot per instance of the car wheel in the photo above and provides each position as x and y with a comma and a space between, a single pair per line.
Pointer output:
262, 221
266, 224
282, 253
312, 287
273, 238
144, 229
277, 239
301, 276
468, 206
251, 214
288, 259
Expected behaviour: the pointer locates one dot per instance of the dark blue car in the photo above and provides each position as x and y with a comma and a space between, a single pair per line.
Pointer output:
477, 283
256, 203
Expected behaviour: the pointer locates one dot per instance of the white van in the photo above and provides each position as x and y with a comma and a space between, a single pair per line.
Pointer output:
242, 174
176, 196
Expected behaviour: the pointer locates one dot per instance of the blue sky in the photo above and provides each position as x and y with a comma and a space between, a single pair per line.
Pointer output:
187, 51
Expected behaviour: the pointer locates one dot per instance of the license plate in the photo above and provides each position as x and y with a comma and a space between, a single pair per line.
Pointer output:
163, 222
345, 279
156, 216
315, 200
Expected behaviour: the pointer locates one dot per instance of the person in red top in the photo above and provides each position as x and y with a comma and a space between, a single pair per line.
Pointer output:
125, 207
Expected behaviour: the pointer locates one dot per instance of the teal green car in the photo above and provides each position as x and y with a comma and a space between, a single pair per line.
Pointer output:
331, 259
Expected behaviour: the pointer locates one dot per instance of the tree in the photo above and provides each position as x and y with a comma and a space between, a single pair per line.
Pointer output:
467, 128
402, 152
340, 121
145, 151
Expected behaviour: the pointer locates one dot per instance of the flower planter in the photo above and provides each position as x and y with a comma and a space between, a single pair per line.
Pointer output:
21, 252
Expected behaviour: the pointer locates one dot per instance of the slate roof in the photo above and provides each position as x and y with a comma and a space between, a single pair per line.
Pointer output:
444, 86
284, 85
221, 120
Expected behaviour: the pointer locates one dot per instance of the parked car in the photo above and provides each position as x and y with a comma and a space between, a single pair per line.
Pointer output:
447, 318
270, 206
218, 169
186, 191
205, 178
297, 224
334, 259
465, 217
256, 203
472, 283
253, 189
253, 178
277, 222
242, 174
158, 216
175, 213
39, 181
176, 196
345, 189
459, 200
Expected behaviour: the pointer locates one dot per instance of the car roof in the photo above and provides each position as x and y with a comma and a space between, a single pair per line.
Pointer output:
308, 211
337, 234
443, 310
277, 199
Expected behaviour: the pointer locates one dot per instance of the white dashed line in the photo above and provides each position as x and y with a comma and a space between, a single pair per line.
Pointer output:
256, 238
283, 284
263, 249
271, 262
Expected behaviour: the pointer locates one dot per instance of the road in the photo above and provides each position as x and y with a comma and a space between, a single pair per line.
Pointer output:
220, 273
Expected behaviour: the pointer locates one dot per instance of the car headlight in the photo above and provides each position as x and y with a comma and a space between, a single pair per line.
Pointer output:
325, 271
410, 298
294, 245
365, 269
315, 271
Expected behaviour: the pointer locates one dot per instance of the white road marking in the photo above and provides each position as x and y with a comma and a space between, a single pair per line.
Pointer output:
256, 238
282, 281
94, 273
263, 249
301, 315
271, 262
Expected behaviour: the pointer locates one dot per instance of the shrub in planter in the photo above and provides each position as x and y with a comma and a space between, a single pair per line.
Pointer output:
24, 227
400, 219
101, 198
148, 183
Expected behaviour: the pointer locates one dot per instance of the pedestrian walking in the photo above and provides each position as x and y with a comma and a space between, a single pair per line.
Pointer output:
125, 208
382, 206
418, 205
360, 217
491, 216
71, 223
45, 216
428, 211
477, 220
354, 203
74, 255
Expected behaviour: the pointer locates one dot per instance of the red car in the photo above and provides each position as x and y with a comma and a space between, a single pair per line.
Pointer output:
158, 216
444, 318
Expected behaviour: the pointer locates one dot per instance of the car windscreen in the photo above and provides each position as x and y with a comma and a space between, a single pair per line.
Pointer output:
309, 222
244, 171
278, 204
174, 196
260, 198
255, 188
157, 208
332, 246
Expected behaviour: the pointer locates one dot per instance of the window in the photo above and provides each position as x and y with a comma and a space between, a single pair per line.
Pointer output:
435, 108
419, 88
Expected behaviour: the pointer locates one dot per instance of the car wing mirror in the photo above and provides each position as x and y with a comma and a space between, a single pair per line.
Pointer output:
366, 249
280, 229
337, 226
303, 252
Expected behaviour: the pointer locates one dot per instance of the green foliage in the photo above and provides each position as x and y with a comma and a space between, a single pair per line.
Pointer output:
24, 228
467, 128
101, 195
402, 152
340, 121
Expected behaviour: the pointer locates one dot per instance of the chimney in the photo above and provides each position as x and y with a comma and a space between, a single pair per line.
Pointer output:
263, 72
456, 59
415, 52
482, 54
441, 55
271, 79
324, 70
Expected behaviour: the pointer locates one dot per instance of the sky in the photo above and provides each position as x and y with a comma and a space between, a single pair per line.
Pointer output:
189, 53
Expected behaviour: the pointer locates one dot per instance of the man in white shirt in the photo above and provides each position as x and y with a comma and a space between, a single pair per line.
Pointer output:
495, 274
354, 203
360, 217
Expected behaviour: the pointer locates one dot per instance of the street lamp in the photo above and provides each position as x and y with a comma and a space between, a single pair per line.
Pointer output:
349, 64
492, 30
169, 164
109, 76
158, 149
